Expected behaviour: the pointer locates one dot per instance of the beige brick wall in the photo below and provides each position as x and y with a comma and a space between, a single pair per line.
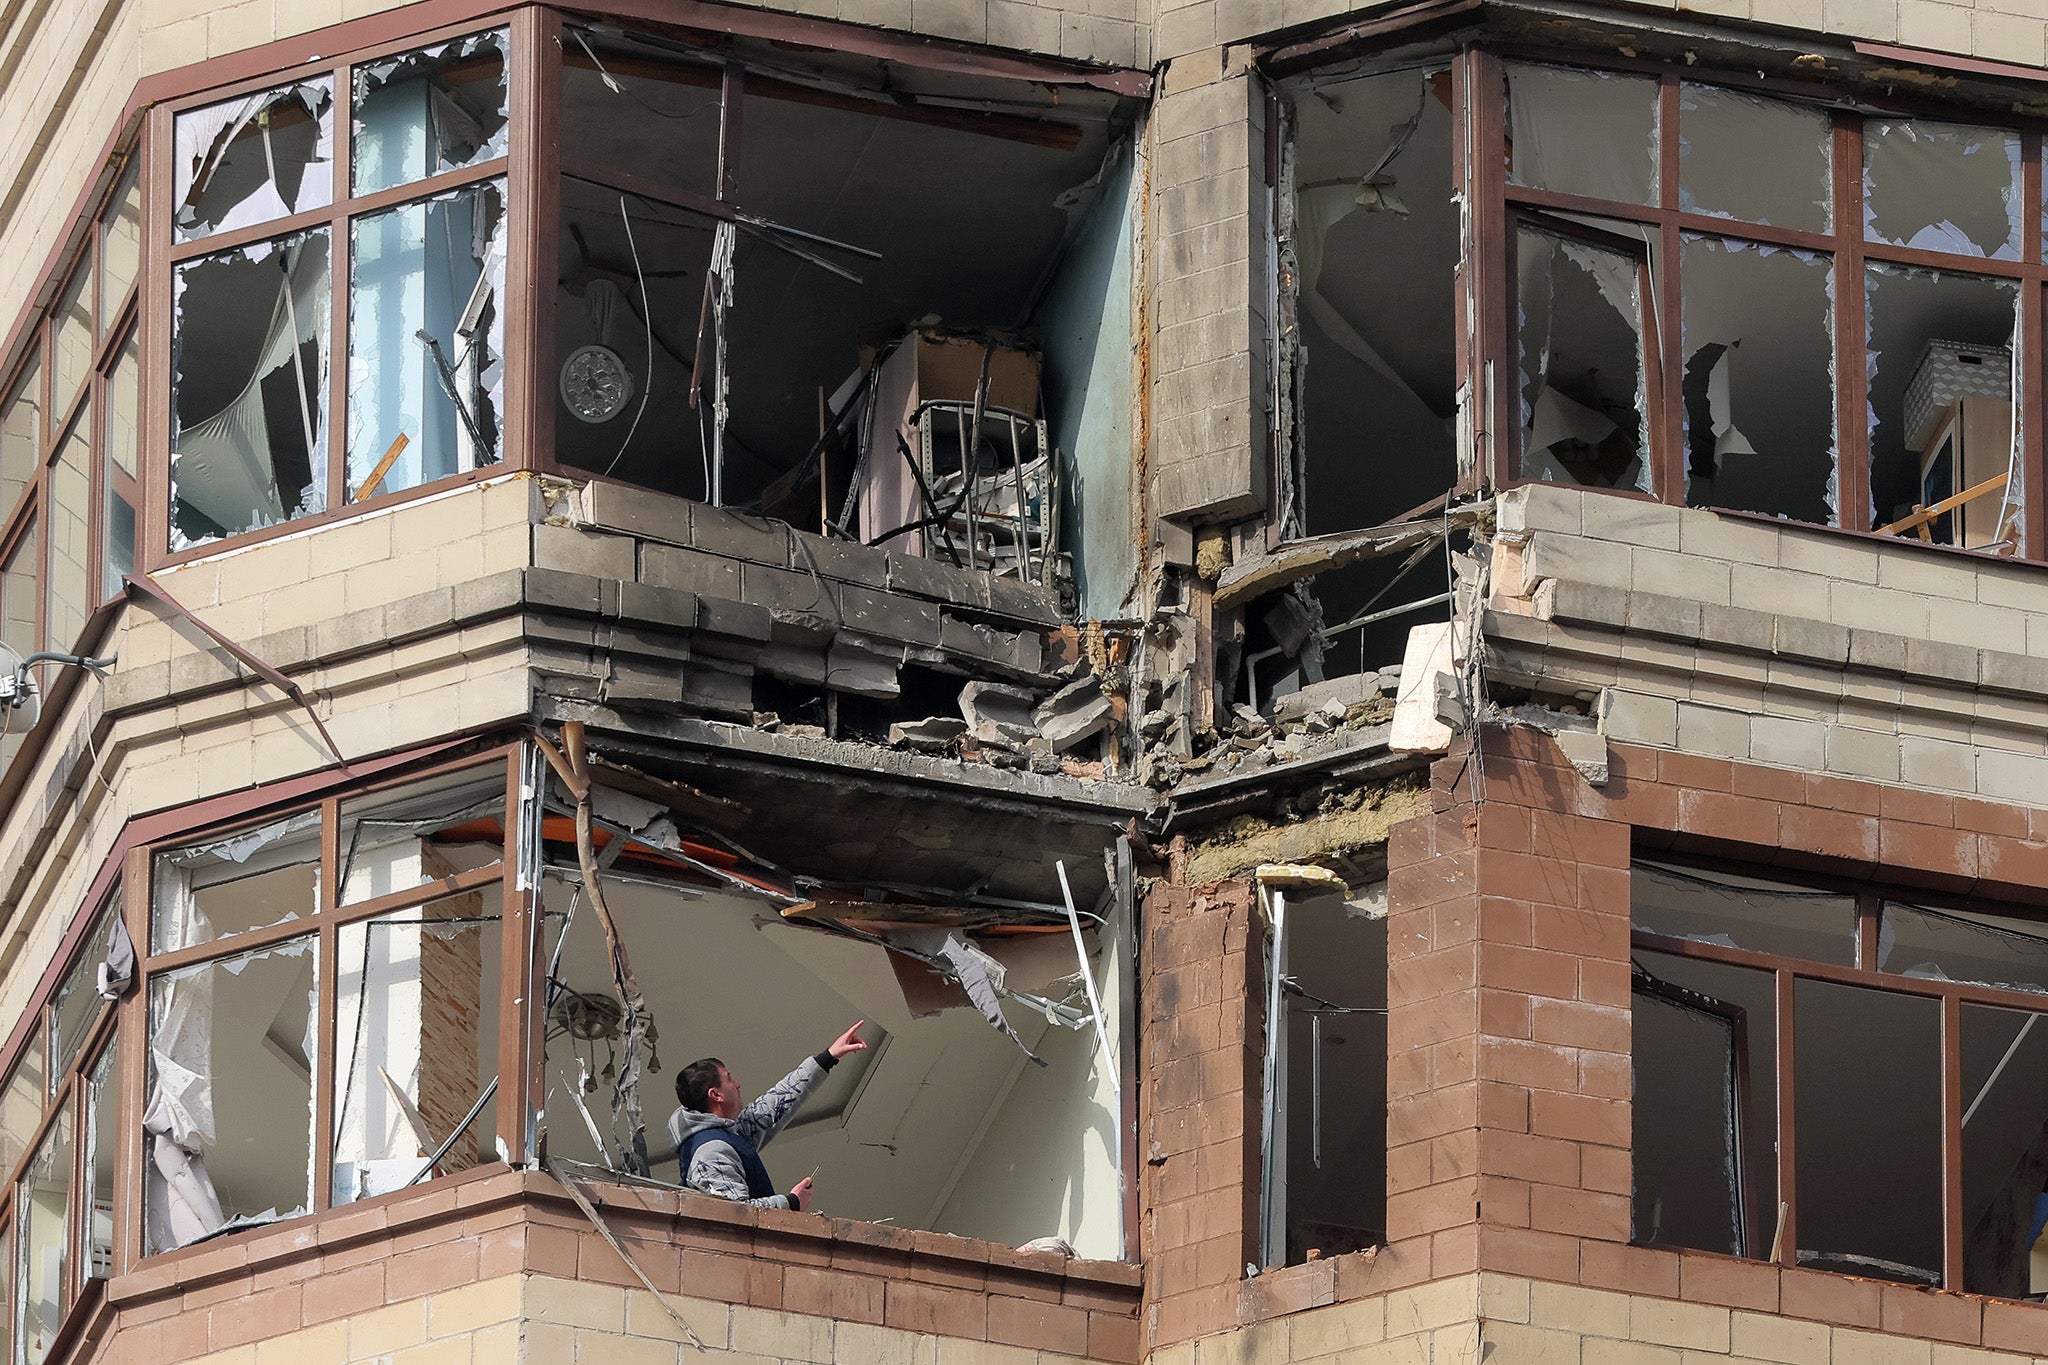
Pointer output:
1505, 1320
2000, 30
1788, 645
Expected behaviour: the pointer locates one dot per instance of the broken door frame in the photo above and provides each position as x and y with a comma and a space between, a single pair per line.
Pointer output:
1741, 1154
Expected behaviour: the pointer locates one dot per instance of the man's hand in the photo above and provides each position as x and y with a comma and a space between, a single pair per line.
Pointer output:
800, 1193
849, 1041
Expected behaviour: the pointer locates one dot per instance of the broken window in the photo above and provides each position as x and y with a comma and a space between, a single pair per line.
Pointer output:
253, 159
421, 833
229, 1118
1943, 423
426, 340
249, 350
226, 886
76, 1005
729, 310
416, 1011
986, 1103
441, 108
1723, 135
1590, 133
20, 604
1325, 1149
102, 1137
22, 1100
1915, 1070
1586, 354
1764, 370
1759, 378
1370, 355
42, 1201
1942, 187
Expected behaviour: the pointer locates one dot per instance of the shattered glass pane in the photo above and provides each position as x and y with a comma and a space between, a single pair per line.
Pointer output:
229, 885
123, 411
73, 342
1685, 1191
21, 435
398, 840
1942, 187
120, 245
22, 1101
1743, 912
77, 1002
249, 388
45, 1272
416, 1005
1868, 1120
1583, 132
72, 578
1582, 374
1759, 379
1941, 413
1964, 945
1754, 159
426, 340
102, 1138
228, 1122
253, 158
438, 109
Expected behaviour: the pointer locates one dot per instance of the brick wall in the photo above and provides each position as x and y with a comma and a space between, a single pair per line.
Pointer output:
462, 1269
451, 1014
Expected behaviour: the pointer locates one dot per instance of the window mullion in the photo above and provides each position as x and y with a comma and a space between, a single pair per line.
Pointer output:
1952, 1142
1785, 1243
1852, 380
340, 270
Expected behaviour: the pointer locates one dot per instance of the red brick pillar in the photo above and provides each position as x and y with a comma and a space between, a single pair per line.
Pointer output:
1553, 1050
1198, 1108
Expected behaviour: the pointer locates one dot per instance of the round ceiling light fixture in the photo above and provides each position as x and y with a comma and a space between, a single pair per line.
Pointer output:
596, 385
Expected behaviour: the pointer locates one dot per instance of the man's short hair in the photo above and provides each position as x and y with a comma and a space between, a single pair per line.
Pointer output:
694, 1083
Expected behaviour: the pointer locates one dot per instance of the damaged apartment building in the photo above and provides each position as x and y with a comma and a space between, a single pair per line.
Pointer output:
1395, 651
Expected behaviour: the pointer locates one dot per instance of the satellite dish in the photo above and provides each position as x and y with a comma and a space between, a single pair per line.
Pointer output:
21, 702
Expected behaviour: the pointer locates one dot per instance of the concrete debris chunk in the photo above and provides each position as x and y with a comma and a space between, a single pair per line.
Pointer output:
993, 710
1585, 750
1074, 713
1290, 623
1346, 692
933, 734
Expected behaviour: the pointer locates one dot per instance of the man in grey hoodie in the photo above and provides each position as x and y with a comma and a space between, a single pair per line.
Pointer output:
718, 1138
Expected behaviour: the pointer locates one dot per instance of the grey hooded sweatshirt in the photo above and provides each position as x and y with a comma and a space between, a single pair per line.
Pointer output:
716, 1169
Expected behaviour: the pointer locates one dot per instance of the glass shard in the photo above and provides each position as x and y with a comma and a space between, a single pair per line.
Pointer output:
398, 840
253, 159
247, 880
426, 340
1743, 912
228, 1122
1583, 132
249, 388
119, 471
1963, 945
1942, 187
1583, 380
436, 109
103, 1138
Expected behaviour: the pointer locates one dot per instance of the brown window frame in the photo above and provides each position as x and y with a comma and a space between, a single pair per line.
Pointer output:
154, 550
1845, 246
1786, 971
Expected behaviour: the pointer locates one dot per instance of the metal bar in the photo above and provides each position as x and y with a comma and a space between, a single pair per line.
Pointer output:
1999, 1070
1358, 621
460, 1128
144, 584
1088, 980
612, 1240
1315, 1087
1852, 412
1276, 972
1951, 1144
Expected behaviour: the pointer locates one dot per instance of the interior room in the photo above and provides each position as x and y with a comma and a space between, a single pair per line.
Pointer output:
866, 199
1330, 1152
943, 1124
